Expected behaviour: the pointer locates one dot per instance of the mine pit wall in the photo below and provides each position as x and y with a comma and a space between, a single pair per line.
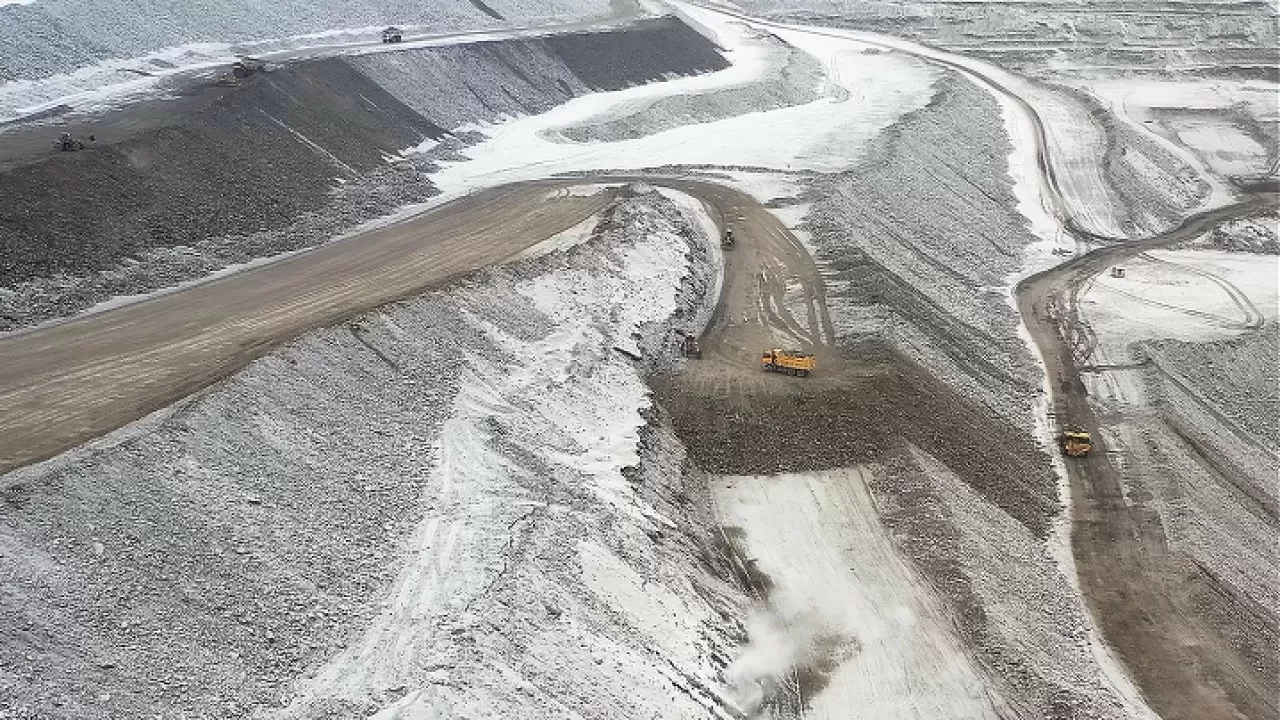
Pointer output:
287, 160
57, 36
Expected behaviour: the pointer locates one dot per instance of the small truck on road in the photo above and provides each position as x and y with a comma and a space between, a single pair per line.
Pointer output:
791, 362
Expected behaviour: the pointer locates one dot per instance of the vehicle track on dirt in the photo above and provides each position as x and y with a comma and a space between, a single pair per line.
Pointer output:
64, 384
1145, 599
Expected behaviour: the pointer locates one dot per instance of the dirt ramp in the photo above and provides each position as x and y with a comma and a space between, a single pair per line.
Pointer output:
854, 416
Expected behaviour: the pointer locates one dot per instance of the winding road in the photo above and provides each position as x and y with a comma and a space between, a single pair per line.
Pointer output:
63, 385
1139, 594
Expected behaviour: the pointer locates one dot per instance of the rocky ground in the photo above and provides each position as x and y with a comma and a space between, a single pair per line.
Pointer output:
524, 529
918, 243
1198, 38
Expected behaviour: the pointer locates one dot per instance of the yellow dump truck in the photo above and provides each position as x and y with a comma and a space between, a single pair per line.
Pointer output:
1076, 442
791, 362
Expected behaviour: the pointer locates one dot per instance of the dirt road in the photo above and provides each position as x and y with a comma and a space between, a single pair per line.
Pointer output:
68, 383
1148, 601
65, 384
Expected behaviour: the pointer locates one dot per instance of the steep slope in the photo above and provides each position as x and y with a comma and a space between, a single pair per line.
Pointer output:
465, 504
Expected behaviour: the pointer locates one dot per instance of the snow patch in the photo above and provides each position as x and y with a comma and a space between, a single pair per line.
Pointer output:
865, 93
546, 419
1192, 295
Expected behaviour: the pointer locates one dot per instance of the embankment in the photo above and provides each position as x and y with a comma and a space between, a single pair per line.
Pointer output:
286, 160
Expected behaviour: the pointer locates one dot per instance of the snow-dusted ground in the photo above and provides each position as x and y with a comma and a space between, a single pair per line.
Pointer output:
492, 612
1194, 118
1185, 295
1185, 379
533, 532
864, 628
78, 52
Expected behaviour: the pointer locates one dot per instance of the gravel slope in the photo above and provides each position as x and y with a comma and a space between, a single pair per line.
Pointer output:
58, 36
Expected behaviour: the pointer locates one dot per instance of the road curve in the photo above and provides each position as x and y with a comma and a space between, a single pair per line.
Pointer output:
68, 383
942, 58
1138, 592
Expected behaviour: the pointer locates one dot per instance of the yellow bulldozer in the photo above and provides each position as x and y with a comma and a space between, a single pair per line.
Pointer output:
791, 362
1076, 442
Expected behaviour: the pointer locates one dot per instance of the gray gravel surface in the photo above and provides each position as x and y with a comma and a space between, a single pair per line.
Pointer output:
1004, 589
1199, 38
251, 160
918, 243
486, 82
193, 564
1153, 188
796, 80
1261, 235
1242, 375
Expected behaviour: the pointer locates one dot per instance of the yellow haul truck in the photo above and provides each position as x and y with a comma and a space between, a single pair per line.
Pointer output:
791, 362
1076, 442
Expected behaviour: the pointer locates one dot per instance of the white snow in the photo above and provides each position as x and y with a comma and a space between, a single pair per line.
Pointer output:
1072, 138
1183, 294
865, 94
844, 597
110, 83
698, 217
1227, 149
1208, 143
1140, 95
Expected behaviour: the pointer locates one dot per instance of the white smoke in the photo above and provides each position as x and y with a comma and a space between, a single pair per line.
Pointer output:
778, 644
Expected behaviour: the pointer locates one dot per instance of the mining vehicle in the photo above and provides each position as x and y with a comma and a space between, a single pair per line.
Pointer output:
67, 142
726, 241
392, 35
791, 362
1117, 272
1076, 442
246, 66
690, 347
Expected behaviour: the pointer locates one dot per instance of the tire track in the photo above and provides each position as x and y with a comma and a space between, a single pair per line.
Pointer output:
1253, 318
1138, 592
